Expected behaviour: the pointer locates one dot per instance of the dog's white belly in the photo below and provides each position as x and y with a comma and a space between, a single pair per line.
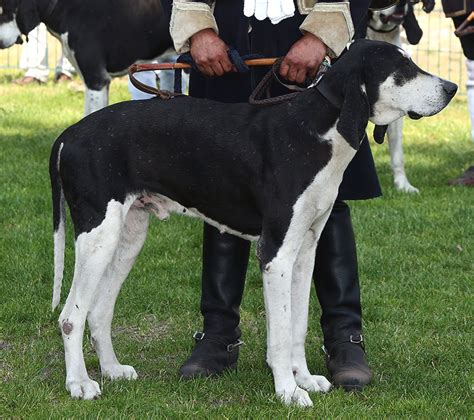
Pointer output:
162, 206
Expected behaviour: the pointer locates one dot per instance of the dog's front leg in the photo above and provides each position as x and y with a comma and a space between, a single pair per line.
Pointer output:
277, 293
395, 137
300, 292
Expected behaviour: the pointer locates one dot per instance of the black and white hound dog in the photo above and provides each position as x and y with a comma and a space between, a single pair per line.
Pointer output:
385, 25
268, 173
101, 38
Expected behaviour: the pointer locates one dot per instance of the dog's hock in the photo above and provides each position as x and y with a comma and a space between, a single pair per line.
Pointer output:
67, 327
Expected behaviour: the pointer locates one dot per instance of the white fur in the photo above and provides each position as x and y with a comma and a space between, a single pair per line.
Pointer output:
96, 99
395, 129
59, 244
9, 33
423, 95
283, 302
95, 251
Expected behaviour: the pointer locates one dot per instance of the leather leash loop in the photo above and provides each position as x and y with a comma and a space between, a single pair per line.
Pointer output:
465, 28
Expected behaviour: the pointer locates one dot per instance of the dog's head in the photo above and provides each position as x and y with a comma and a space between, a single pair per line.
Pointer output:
389, 19
379, 82
17, 18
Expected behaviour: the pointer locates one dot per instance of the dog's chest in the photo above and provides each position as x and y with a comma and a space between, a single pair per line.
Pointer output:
322, 191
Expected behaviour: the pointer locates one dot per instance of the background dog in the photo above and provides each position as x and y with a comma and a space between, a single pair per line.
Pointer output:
221, 163
101, 38
386, 26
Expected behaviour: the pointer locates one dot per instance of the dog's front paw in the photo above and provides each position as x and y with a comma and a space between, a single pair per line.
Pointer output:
295, 396
313, 383
85, 389
114, 372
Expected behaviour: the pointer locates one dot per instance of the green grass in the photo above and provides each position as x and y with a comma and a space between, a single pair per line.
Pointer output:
416, 267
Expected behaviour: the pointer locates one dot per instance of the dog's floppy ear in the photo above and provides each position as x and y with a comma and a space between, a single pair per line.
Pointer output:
412, 28
28, 17
354, 112
379, 133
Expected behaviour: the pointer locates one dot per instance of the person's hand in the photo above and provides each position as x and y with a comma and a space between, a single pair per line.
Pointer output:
303, 59
209, 53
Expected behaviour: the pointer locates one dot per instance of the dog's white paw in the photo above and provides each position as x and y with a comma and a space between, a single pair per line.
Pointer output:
313, 383
404, 185
295, 396
85, 389
114, 372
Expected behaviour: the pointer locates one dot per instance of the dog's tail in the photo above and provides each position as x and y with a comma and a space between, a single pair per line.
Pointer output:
59, 221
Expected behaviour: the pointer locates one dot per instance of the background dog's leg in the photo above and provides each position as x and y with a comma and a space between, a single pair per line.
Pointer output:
100, 316
96, 99
94, 251
300, 292
277, 293
395, 136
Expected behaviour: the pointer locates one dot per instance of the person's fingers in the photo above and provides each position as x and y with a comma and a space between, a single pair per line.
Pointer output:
292, 72
300, 76
284, 68
206, 70
218, 69
226, 64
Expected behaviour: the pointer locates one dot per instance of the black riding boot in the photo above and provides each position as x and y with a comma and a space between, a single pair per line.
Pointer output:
225, 259
337, 286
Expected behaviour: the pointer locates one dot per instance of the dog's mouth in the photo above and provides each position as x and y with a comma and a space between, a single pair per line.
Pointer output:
414, 115
396, 18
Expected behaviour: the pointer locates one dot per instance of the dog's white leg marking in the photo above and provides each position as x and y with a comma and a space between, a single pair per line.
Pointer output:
96, 99
277, 278
94, 251
100, 316
300, 292
395, 137
277, 293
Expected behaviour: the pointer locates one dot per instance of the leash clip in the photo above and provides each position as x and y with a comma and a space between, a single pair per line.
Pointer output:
323, 68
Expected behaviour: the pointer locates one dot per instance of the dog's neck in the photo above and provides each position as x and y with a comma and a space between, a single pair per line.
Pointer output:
39, 11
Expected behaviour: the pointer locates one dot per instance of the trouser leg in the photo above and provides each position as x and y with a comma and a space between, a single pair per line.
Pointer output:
337, 286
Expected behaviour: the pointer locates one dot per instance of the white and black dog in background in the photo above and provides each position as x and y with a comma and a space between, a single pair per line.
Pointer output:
266, 173
386, 25
101, 38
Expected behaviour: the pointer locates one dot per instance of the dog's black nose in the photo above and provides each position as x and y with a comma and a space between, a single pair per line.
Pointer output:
450, 88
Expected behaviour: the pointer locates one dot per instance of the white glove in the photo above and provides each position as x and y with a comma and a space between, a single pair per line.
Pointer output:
275, 10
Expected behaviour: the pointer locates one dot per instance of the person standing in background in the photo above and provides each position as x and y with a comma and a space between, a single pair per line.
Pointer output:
303, 32
34, 60
458, 11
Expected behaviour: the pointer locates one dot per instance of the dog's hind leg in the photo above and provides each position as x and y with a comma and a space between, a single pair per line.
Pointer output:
300, 293
94, 251
395, 137
100, 316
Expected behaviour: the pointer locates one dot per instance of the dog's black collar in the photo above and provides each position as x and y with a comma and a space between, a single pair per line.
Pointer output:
329, 94
384, 32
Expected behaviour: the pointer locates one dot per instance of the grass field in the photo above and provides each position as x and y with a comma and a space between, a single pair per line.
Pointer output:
416, 266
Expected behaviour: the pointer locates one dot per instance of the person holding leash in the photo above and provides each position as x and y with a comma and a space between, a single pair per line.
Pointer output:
304, 32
